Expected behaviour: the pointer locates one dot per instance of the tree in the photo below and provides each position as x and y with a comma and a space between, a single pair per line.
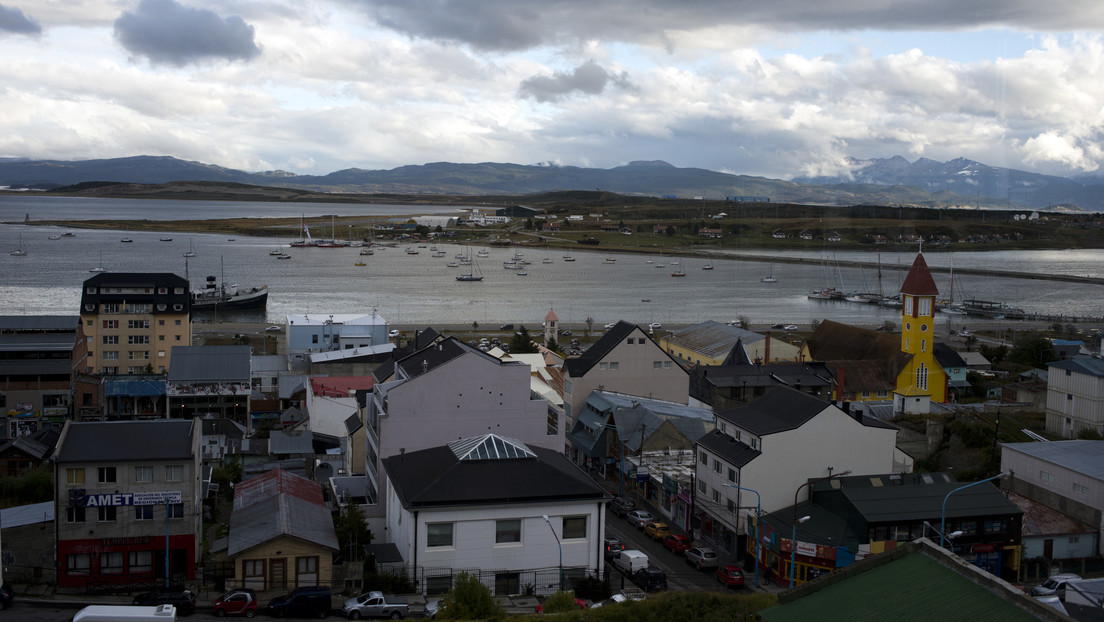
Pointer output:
553, 345
469, 599
475, 326
522, 343
559, 602
745, 322
1033, 351
971, 341
351, 528
993, 354
589, 325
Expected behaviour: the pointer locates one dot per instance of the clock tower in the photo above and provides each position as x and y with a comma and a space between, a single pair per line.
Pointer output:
922, 375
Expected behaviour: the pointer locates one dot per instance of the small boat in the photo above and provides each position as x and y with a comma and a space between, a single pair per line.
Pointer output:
452, 264
360, 263
649, 261
523, 273
283, 256
55, 237
707, 266
473, 274
568, 258
509, 265
645, 300
768, 279
230, 239
367, 251
275, 251
854, 298
22, 250
660, 265
678, 270
546, 260
166, 239
611, 259
99, 267
410, 250
126, 240
191, 250
68, 234
674, 263
438, 254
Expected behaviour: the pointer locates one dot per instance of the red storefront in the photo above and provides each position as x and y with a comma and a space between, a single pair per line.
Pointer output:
125, 560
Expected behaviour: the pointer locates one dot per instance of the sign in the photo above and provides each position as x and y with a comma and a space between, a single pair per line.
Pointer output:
132, 498
806, 549
983, 548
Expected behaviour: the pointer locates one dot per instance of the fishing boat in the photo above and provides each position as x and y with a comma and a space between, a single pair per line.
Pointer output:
22, 250
452, 264
546, 260
523, 273
283, 256
473, 274
360, 263
568, 258
55, 237
68, 234
216, 296
511, 265
611, 260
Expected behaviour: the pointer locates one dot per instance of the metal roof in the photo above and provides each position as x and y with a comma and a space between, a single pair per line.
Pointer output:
120, 387
35, 342
120, 441
712, 338
39, 322
297, 442
490, 447
210, 364
349, 319
1082, 365
662, 408
1085, 457
27, 515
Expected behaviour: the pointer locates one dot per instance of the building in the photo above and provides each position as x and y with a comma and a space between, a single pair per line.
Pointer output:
27, 452
1064, 475
127, 492
739, 381
922, 376
281, 533
322, 332
210, 381
864, 363
711, 343
130, 321
28, 544
472, 504
35, 370
624, 360
1075, 396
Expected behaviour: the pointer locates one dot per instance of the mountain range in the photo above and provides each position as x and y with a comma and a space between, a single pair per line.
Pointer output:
882, 181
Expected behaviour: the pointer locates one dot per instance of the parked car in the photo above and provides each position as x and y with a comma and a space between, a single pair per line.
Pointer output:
655, 326
791, 327
432, 608
565, 333
656, 530
274, 329
629, 561
394, 333
650, 579
639, 518
302, 602
702, 557
778, 327
506, 327
676, 543
613, 547
375, 605
622, 506
183, 600
237, 602
730, 576
1054, 585
624, 596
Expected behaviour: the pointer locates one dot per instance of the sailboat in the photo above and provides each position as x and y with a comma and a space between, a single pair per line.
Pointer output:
333, 242
99, 267
473, 273
22, 250
191, 249
678, 269
770, 276
949, 306
304, 236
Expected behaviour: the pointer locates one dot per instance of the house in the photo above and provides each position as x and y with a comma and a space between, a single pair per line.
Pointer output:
778, 234
1064, 475
864, 363
805, 234
27, 452
210, 380
711, 342
472, 504
834, 236
953, 591
710, 233
323, 332
728, 385
624, 360
773, 446
954, 366
1075, 396
1052, 535
975, 361
552, 226
128, 491
130, 321
281, 533
28, 544
880, 238
36, 370
1069, 348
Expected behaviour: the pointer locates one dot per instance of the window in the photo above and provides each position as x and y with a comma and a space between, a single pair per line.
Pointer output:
507, 583
1046, 477
110, 355
703, 458
630, 341
176, 337
111, 563
176, 510
922, 376
657, 364
74, 514
160, 337
603, 365
78, 564
574, 527
614, 365
178, 291
507, 531
438, 534
174, 472
138, 339
754, 443
160, 308
111, 323
106, 514
111, 340
1080, 489
716, 466
923, 345
253, 572
666, 364
106, 475
110, 371
701, 486
143, 512
112, 308
140, 307
74, 476
314, 338
730, 505
143, 474
716, 496
138, 324
732, 475
162, 290
140, 561
306, 570
137, 355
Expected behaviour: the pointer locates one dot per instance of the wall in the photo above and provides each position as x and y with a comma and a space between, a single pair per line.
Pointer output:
287, 549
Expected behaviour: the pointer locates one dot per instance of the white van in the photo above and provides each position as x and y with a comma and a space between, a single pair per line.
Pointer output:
126, 613
630, 561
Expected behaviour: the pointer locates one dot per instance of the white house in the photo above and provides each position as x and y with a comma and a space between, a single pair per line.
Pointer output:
775, 445
321, 332
1075, 396
474, 505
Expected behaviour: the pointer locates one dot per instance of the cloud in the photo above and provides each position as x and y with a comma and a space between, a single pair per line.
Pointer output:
166, 32
587, 79
14, 21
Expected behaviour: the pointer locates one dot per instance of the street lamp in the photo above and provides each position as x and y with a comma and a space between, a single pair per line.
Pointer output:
758, 505
793, 548
950, 536
558, 545
943, 512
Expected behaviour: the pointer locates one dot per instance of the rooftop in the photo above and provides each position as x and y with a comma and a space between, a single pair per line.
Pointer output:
1085, 457
122, 441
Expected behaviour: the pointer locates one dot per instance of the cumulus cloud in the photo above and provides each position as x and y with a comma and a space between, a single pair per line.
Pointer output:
587, 79
14, 21
167, 32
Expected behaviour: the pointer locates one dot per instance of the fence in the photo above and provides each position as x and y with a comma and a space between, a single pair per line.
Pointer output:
541, 581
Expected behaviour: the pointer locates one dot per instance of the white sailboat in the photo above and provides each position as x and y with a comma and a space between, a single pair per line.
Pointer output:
473, 273
770, 276
22, 250
99, 267
191, 249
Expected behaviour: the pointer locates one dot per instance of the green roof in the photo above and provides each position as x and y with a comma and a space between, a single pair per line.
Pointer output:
913, 586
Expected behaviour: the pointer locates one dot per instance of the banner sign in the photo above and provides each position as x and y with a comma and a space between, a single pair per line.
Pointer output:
132, 498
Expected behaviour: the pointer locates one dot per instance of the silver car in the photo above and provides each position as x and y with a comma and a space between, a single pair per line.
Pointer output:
638, 518
702, 557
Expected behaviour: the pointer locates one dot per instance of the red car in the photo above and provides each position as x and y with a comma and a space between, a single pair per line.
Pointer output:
237, 602
730, 576
676, 543
580, 603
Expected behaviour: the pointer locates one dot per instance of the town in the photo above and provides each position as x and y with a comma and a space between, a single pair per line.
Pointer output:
361, 460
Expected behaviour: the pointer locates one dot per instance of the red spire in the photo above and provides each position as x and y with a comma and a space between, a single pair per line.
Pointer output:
551, 317
919, 281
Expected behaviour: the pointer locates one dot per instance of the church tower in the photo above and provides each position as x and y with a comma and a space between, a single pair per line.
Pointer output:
922, 376
551, 327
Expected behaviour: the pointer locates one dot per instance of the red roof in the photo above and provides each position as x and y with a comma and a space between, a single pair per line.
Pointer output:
919, 281
275, 483
340, 386
551, 317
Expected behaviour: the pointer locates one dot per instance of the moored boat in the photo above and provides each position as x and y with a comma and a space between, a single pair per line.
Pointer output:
219, 297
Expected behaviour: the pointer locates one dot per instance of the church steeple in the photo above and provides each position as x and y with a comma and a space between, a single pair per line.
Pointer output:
922, 374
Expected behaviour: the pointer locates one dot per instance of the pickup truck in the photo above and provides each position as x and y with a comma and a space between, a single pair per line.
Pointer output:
375, 605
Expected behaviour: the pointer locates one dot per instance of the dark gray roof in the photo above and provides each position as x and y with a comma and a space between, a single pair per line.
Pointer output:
778, 410
733, 451
149, 282
39, 323
286, 443
947, 357
353, 423
120, 441
221, 426
435, 477
1082, 365
914, 496
578, 366
277, 504
192, 364
1080, 456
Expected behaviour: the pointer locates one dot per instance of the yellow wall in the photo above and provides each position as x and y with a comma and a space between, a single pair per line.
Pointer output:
918, 339
286, 550
165, 331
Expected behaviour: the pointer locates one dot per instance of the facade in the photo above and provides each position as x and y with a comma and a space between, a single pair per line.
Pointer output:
281, 533
472, 504
210, 381
864, 363
35, 370
773, 446
28, 544
1064, 475
132, 320
731, 384
625, 360
922, 375
711, 342
126, 492
323, 332
1075, 396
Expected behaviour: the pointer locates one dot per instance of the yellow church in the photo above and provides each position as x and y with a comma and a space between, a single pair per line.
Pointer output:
922, 379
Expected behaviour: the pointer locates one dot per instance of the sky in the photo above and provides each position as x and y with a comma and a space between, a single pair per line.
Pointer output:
780, 89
